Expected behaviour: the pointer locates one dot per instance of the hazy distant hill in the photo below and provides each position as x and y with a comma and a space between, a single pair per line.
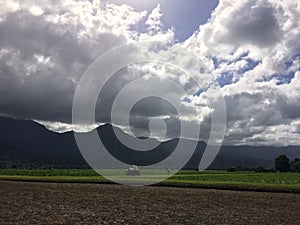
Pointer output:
24, 142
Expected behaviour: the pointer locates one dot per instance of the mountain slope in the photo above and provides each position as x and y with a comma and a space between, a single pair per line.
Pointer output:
25, 143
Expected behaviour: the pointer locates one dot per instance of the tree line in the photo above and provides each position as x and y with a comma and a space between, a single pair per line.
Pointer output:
283, 164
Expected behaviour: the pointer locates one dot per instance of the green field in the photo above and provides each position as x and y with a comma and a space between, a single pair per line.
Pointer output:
281, 182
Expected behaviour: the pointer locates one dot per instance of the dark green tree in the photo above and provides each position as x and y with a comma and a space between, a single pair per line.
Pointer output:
282, 163
296, 160
295, 165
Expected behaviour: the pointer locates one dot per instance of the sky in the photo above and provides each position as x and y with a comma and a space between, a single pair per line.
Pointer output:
184, 17
250, 48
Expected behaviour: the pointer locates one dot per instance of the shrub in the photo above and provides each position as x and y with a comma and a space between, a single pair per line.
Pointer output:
232, 169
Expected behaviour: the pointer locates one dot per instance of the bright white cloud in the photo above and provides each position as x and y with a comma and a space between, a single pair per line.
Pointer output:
154, 21
66, 127
253, 45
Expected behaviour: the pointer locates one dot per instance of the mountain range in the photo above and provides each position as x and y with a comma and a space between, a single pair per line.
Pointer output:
25, 143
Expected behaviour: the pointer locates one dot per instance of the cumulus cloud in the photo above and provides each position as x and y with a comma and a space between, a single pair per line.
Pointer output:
250, 47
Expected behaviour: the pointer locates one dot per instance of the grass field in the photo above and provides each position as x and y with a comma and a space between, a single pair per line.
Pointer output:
277, 182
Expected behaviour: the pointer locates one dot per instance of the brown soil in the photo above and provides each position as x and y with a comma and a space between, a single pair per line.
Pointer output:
50, 203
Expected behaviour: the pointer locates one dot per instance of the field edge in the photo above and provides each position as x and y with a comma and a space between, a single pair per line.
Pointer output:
167, 183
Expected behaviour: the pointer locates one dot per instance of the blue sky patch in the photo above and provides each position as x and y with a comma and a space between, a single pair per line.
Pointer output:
250, 66
225, 78
284, 79
280, 78
289, 63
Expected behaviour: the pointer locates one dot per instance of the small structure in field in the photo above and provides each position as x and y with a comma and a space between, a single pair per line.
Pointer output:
133, 171
168, 170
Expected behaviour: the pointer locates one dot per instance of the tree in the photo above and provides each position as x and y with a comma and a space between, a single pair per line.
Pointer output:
295, 165
282, 163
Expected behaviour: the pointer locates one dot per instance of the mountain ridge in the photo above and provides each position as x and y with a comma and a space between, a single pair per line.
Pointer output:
26, 142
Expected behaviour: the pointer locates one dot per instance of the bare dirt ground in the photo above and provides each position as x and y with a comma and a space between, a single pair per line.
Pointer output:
50, 203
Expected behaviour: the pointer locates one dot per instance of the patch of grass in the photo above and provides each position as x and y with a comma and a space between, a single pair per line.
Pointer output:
233, 186
47, 172
55, 179
241, 177
277, 182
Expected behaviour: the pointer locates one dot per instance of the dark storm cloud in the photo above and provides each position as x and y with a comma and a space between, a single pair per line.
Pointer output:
41, 64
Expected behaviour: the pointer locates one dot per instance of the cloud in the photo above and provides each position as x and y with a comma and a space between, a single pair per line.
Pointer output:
250, 47
296, 126
45, 48
154, 21
60, 127
253, 24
